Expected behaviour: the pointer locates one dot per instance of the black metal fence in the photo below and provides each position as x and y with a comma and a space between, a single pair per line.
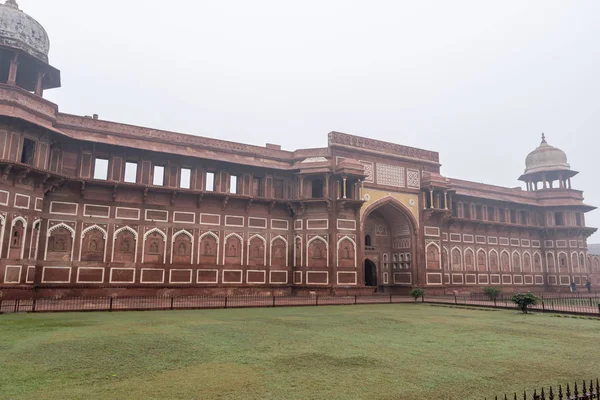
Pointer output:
584, 391
143, 303
557, 303
568, 303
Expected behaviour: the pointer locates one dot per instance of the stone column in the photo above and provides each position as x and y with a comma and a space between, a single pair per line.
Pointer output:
39, 90
12, 72
326, 190
344, 178
431, 198
445, 199
301, 194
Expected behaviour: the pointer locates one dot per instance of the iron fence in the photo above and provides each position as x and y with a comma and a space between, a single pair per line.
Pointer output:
573, 304
144, 303
584, 391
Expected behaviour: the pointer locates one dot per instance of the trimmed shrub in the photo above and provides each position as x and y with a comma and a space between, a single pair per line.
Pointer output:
416, 293
492, 293
524, 300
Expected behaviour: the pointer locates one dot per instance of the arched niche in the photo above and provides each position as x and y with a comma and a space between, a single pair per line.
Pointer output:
125, 245
182, 247
346, 252
279, 252
93, 244
154, 246
60, 243
208, 253
257, 251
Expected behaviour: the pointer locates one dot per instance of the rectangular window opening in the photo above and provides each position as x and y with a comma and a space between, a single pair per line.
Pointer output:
479, 212
233, 180
278, 189
210, 182
491, 214
159, 175
524, 217
559, 219
28, 153
131, 172
101, 169
467, 211
185, 177
513, 217
578, 219
317, 188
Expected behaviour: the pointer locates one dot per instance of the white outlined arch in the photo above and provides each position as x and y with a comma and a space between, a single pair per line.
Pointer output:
558, 261
538, 254
337, 252
512, 259
296, 238
279, 237
135, 235
465, 259
554, 263
587, 262
485, 258
264, 241
509, 261
186, 233
35, 238
452, 258
52, 229
531, 266
434, 244
308, 247
104, 236
164, 236
3, 221
241, 246
213, 235
575, 264
12, 226
446, 256
494, 251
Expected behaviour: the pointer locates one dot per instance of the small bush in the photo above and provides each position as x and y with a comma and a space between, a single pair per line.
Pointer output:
524, 300
416, 293
492, 293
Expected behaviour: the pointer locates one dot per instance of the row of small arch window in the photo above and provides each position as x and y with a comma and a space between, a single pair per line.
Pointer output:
399, 261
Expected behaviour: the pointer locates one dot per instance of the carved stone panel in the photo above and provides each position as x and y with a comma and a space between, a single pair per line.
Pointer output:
469, 260
59, 245
278, 253
317, 253
92, 246
233, 251
208, 248
182, 249
154, 248
346, 253
125, 245
16, 240
256, 255
433, 257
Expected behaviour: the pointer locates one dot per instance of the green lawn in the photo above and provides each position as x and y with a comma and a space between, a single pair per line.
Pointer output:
401, 351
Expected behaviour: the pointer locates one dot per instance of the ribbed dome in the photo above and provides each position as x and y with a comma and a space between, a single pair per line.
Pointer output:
19, 31
546, 158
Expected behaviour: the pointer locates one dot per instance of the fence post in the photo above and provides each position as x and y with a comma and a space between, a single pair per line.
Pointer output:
599, 313
17, 305
317, 301
355, 302
494, 302
33, 305
171, 302
455, 299
1, 305
110, 305
390, 298
273, 301
543, 306
226, 301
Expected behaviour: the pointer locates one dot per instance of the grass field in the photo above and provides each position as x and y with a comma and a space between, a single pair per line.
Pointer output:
403, 351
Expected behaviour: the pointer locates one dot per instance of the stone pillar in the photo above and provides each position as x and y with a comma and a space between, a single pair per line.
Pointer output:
569, 183
545, 181
431, 198
12, 72
445, 199
424, 200
562, 182
301, 194
326, 189
344, 188
39, 89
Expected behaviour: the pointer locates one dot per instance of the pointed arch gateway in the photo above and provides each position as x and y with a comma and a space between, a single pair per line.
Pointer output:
391, 229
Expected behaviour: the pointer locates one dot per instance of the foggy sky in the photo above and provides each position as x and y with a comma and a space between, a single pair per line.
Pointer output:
478, 81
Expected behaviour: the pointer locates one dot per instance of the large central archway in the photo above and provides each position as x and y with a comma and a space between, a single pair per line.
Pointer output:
389, 243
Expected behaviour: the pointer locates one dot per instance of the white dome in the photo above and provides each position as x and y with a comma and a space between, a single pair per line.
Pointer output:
19, 31
546, 158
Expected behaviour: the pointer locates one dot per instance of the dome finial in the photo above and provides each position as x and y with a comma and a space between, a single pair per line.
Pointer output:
12, 3
543, 138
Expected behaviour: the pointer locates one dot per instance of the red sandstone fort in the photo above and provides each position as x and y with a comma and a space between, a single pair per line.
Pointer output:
92, 207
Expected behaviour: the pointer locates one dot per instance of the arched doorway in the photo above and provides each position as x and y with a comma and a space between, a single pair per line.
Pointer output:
390, 243
370, 273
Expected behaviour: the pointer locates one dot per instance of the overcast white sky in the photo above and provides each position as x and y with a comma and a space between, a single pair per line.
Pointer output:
478, 81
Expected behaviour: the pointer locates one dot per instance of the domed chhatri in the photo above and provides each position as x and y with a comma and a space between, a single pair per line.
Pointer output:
546, 158
20, 31
545, 165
